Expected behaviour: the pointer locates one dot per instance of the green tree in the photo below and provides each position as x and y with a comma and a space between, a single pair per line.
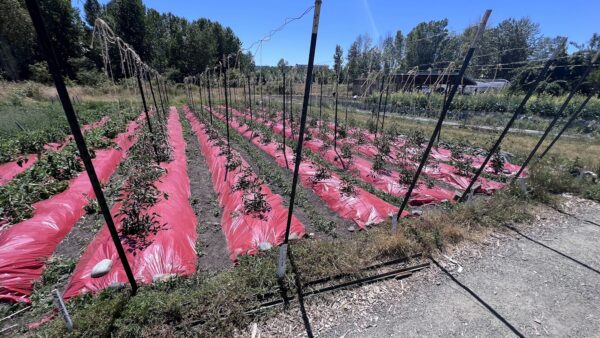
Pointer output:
424, 43
92, 10
16, 40
338, 59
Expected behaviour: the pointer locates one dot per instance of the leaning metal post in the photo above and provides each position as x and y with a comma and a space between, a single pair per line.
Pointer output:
307, 85
438, 126
558, 114
53, 66
517, 112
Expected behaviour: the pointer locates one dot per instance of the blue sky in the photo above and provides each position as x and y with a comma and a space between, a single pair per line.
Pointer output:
343, 20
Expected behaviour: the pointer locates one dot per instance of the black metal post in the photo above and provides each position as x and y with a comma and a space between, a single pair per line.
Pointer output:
517, 112
283, 119
438, 126
335, 122
321, 102
155, 106
139, 81
291, 105
379, 104
387, 94
200, 93
226, 108
568, 124
53, 66
250, 98
559, 113
307, 85
209, 100
160, 96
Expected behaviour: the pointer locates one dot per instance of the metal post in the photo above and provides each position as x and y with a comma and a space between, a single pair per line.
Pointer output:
438, 126
559, 113
200, 93
379, 104
209, 100
569, 122
291, 105
387, 94
250, 98
517, 112
226, 107
160, 96
321, 101
283, 119
139, 81
54, 68
335, 124
307, 85
154, 99
192, 94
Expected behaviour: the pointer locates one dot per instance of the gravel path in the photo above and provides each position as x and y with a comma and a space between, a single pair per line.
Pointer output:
541, 280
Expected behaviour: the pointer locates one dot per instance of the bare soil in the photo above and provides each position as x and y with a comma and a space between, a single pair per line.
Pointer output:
211, 243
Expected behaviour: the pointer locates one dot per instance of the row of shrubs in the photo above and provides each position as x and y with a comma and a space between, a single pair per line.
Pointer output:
542, 105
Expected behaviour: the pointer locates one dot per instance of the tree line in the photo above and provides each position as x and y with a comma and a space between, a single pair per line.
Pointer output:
171, 44
511, 50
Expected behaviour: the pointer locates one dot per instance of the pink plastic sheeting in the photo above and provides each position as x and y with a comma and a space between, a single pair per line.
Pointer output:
9, 170
172, 250
245, 233
440, 171
440, 154
387, 182
25, 246
363, 208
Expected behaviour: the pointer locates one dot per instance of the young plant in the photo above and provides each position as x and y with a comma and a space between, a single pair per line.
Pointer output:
320, 174
497, 161
255, 203
346, 151
347, 187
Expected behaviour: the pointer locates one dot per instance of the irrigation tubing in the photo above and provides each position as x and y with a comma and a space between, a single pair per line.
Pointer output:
438, 127
574, 89
53, 66
517, 112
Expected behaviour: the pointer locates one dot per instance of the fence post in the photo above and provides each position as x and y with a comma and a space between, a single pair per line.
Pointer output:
54, 68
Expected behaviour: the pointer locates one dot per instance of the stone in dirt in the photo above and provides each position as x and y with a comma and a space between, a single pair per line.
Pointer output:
102, 268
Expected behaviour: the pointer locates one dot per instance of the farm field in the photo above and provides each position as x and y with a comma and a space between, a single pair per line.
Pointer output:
157, 178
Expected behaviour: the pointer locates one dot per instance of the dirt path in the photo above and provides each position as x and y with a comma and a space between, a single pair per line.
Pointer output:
542, 279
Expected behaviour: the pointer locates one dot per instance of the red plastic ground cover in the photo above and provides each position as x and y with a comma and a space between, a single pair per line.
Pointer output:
361, 207
440, 171
25, 246
439, 154
387, 181
9, 170
245, 233
172, 250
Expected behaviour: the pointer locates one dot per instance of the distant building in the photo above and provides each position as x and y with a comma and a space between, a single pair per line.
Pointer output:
486, 85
